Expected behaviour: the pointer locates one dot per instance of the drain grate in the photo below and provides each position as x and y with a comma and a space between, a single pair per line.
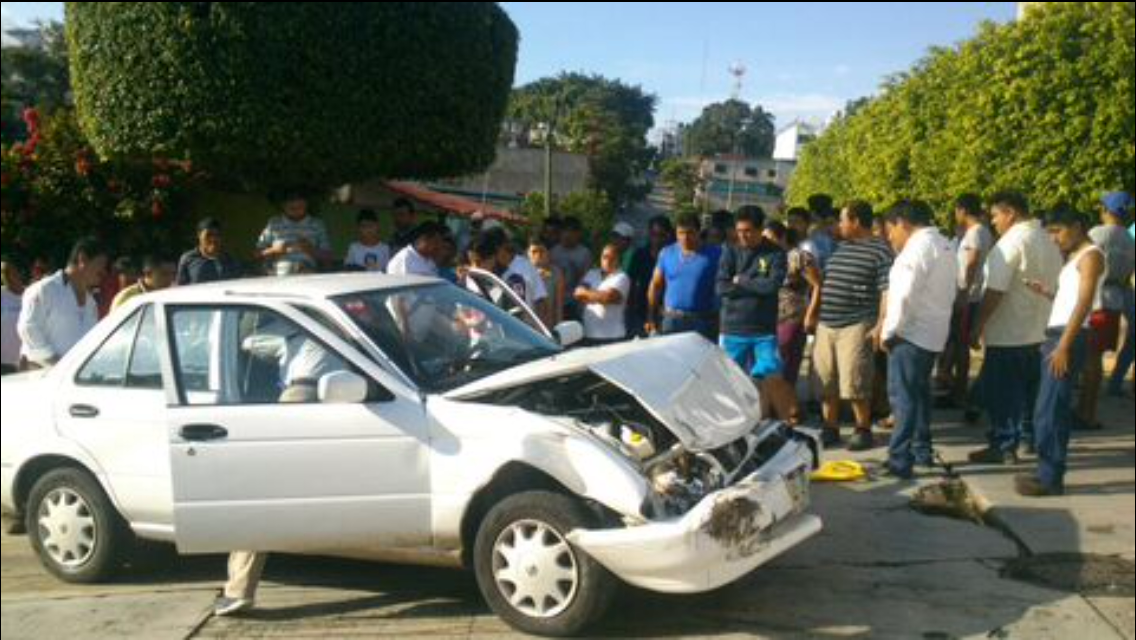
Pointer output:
1085, 574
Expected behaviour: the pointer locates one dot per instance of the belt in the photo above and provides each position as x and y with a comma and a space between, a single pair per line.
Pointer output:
304, 382
688, 315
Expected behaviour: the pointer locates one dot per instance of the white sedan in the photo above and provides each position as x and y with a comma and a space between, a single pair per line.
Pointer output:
407, 420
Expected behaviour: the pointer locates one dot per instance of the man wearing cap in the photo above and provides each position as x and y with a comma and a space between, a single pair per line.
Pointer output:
1115, 241
208, 262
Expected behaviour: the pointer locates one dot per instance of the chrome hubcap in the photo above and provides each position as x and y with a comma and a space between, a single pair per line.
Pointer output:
67, 528
535, 569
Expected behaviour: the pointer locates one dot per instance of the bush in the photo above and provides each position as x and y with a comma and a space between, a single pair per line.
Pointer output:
593, 208
293, 95
1044, 105
55, 190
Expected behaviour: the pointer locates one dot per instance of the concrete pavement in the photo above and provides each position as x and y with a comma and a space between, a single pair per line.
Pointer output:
879, 570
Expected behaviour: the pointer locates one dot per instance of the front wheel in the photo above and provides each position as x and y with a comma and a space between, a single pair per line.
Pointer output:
74, 528
528, 572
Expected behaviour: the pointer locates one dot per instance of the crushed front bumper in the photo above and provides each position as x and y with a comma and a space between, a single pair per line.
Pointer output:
725, 537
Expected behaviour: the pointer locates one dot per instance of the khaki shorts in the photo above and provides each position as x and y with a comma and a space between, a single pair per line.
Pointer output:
845, 362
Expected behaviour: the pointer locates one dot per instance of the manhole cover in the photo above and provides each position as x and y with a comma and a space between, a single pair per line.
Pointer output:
1085, 574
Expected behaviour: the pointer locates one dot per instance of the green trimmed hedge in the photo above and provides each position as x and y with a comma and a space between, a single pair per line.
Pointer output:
1045, 106
294, 95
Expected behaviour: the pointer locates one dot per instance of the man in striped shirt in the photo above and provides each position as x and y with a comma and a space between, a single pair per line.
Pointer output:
296, 241
852, 298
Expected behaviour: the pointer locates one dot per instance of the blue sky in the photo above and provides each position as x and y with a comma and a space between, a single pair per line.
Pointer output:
804, 59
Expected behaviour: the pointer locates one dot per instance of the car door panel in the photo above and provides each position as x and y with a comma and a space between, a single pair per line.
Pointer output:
297, 477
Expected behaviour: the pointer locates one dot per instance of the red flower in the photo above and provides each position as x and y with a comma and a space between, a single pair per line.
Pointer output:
31, 120
83, 166
161, 181
157, 209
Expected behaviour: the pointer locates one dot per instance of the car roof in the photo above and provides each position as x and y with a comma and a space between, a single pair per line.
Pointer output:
313, 287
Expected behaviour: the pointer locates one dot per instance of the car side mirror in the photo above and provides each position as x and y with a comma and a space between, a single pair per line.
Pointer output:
343, 387
568, 333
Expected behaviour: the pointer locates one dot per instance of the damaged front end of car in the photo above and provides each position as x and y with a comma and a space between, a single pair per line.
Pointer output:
717, 506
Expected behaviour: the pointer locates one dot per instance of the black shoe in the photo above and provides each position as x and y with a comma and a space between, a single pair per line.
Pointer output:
14, 526
972, 416
926, 465
891, 473
1030, 487
993, 456
830, 438
862, 441
1083, 427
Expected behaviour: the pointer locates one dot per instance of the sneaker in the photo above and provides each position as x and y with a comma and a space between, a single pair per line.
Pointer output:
862, 441
225, 607
993, 457
830, 438
1030, 487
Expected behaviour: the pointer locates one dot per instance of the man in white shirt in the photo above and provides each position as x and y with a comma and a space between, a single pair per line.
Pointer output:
1012, 324
417, 258
923, 287
60, 309
604, 293
522, 277
12, 303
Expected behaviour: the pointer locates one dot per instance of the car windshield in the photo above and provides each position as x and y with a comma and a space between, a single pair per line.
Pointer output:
443, 336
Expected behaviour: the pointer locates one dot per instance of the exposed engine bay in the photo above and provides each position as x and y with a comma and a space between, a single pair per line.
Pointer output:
679, 478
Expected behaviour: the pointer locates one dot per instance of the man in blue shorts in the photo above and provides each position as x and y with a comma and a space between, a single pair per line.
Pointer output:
750, 276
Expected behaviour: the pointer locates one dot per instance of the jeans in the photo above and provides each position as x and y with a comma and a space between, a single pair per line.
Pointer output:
1009, 390
690, 324
792, 338
1128, 354
1055, 413
910, 369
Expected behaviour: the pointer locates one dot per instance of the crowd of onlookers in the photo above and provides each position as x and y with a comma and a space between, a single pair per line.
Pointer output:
886, 307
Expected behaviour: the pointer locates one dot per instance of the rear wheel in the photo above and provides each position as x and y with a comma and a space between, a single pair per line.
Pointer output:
528, 572
74, 528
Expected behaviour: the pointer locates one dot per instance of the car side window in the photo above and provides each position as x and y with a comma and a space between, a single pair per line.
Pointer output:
248, 356
107, 367
145, 370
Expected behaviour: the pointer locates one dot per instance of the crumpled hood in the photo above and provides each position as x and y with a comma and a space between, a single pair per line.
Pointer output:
685, 382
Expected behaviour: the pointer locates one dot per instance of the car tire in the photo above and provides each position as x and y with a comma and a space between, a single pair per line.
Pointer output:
74, 529
521, 547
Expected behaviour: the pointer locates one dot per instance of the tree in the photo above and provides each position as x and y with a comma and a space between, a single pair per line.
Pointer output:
683, 180
1045, 105
295, 95
55, 190
604, 119
37, 77
732, 127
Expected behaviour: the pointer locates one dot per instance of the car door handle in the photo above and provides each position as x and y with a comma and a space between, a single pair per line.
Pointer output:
84, 411
203, 433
